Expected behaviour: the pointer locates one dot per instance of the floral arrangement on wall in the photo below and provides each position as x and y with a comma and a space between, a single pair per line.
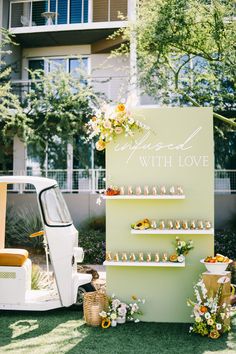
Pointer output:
210, 313
109, 122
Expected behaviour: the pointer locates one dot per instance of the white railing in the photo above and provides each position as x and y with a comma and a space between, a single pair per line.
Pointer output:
225, 181
32, 13
93, 180
89, 180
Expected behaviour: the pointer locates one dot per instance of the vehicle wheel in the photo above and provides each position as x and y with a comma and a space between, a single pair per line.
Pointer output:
86, 288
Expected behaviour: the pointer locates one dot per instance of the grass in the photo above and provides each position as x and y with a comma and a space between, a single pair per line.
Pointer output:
64, 331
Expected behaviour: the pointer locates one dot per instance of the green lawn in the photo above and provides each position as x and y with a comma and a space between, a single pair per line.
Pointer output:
64, 331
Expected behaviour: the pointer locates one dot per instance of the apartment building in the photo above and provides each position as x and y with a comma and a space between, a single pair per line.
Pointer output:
51, 32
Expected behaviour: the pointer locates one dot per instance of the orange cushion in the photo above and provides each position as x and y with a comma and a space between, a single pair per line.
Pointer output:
11, 257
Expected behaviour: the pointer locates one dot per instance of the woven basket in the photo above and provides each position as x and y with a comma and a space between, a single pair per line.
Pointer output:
94, 303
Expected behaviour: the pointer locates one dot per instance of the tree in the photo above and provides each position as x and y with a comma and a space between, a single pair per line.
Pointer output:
13, 120
186, 52
57, 106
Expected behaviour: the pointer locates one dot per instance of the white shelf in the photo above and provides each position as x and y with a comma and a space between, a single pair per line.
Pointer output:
172, 232
145, 197
144, 264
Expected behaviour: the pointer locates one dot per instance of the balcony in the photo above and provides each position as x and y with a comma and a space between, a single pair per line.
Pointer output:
57, 22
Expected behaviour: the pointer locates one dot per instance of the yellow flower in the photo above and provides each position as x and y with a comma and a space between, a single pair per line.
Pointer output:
214, 334
134, 297
210, 322
100, 145
120, 107
94, 119
106, 323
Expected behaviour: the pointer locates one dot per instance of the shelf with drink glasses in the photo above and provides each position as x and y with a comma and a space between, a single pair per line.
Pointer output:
172, 232
144, 197
144, 264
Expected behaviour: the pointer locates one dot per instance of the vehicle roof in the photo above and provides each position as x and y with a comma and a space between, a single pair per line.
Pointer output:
39, 183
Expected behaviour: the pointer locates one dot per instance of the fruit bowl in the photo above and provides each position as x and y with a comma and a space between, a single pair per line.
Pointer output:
217, 267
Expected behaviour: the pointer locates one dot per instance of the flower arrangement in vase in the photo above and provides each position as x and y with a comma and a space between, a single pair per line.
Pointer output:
119, 312
210, 314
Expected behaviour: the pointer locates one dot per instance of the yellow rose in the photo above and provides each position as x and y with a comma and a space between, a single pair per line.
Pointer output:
118, 130
100, 145
210, 322
120, 107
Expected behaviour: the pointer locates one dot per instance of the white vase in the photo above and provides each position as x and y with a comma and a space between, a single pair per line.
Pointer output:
121, 320
113, 323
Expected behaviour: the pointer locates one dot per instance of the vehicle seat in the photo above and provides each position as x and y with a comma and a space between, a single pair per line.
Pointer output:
12, 257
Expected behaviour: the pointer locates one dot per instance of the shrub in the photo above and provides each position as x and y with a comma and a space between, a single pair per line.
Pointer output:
93, 243
225, 243
95, 223
19, 225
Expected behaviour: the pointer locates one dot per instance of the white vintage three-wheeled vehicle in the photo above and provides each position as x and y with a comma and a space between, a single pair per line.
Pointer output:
61, 242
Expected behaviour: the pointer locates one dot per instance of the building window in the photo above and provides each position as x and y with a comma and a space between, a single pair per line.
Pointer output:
69, 65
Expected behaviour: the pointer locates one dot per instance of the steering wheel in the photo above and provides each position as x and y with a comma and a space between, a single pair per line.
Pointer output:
36, 234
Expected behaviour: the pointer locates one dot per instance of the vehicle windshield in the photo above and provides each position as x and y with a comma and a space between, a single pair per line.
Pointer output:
54, 207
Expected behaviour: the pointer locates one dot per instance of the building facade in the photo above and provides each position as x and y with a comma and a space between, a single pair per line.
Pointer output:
52, 32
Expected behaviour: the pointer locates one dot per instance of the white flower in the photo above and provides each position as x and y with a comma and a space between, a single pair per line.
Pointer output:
113, 316
198, 319
207, 315
183, 243
134, 308
107, 124
131, 121
115, 303
218, 326
190, 329
137, 320
103, 314
98, 201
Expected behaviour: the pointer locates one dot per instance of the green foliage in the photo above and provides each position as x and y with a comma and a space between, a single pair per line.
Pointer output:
225, 243
93, 243
19, 225
39, 279
186, 52
13, 120
92, 239
57, 107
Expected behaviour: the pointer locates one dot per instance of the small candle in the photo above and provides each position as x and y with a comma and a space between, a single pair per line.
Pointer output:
124, 257
138, 190
172, 190
146, 190
116, 257
108, 256
207, 225
180, 190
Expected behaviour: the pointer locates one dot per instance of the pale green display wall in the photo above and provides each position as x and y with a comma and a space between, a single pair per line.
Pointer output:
178, 150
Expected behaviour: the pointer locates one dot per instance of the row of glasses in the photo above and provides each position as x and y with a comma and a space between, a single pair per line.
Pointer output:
153, 190
136, 257
181, 225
